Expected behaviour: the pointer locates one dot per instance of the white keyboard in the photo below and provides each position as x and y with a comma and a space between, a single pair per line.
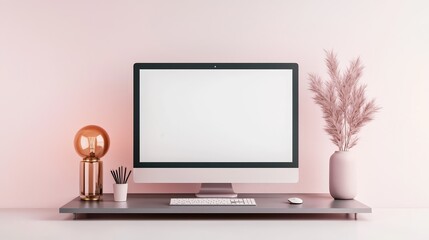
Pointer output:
212, 202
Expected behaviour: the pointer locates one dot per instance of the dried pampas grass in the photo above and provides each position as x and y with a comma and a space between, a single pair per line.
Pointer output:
342, 99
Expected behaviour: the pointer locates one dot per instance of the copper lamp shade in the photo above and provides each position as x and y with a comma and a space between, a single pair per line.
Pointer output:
91, 143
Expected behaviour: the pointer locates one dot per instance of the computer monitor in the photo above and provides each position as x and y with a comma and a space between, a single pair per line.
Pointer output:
216, 124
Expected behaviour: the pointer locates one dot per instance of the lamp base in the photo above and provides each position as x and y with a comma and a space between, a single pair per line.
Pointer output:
91, 180
90, 198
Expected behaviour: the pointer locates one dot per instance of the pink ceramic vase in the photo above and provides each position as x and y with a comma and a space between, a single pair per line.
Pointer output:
342, 175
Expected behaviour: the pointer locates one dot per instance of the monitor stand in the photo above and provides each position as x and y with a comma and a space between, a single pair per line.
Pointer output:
216, 190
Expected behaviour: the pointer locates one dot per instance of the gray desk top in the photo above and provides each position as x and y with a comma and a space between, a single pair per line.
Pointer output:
266, 204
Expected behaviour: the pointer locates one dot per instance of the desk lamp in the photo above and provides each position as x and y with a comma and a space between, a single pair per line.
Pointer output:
91, 142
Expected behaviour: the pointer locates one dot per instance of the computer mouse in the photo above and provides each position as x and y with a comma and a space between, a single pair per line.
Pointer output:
295, 200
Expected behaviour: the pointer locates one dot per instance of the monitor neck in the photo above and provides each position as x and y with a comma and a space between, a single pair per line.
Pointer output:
216, 190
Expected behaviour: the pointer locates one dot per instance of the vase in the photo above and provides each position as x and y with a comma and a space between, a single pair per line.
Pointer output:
342, 175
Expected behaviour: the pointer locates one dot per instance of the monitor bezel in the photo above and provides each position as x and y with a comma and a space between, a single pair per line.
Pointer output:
136, 115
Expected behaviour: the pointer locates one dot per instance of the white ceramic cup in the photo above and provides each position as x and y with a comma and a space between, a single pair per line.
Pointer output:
120, 192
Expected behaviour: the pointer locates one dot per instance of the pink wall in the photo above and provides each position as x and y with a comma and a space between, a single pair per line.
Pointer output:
65, 65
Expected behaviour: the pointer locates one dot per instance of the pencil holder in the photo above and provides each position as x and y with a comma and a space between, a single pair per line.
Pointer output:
120, 187
120, 192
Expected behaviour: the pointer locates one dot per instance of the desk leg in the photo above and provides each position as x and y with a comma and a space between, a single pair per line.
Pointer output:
352, 215
77, 216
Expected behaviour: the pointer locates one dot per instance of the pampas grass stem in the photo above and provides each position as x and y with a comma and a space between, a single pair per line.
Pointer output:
342, 100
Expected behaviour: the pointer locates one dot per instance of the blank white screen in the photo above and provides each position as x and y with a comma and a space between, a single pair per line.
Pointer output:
216, 115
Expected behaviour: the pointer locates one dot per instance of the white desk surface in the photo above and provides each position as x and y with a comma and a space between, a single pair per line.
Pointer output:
381, 224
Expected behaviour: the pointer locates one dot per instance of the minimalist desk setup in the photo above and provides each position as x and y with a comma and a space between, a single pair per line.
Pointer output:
237, 124
314, 203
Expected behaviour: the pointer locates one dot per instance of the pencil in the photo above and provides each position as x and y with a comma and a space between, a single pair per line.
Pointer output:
126, 180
